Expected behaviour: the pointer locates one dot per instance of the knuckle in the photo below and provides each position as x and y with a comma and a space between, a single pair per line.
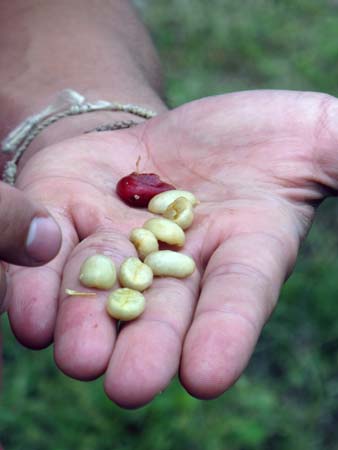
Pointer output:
324, 132
326, 113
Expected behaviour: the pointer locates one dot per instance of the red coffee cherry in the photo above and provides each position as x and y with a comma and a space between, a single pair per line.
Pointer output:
137, 189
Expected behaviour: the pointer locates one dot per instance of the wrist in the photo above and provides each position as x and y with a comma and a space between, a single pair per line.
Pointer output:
68, 104
108, 57
76, 113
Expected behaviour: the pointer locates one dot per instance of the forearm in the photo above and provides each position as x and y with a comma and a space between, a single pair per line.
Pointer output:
98, 47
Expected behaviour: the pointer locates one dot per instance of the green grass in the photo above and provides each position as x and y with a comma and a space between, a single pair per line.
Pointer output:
217, 46
288, 396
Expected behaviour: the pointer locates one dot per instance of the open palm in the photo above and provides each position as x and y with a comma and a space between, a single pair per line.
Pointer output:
259, 162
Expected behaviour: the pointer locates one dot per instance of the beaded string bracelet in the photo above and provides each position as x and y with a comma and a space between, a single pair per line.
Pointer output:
68, 103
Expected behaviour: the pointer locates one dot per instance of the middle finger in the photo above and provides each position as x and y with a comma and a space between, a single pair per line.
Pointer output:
148, 350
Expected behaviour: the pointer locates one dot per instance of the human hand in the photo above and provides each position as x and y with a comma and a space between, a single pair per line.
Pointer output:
259, 162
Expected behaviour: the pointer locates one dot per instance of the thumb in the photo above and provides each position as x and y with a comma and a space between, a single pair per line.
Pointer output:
29, 236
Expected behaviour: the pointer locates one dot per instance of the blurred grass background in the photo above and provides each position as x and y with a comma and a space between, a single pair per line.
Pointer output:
288, 397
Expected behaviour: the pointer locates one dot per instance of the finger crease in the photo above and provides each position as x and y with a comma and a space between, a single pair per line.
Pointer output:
22, 269
169, 326
241, 269
230, 313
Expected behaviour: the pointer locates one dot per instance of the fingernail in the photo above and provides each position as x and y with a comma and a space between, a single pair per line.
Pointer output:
43, 239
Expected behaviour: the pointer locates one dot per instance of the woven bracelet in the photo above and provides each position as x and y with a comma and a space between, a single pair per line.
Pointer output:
68, 103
